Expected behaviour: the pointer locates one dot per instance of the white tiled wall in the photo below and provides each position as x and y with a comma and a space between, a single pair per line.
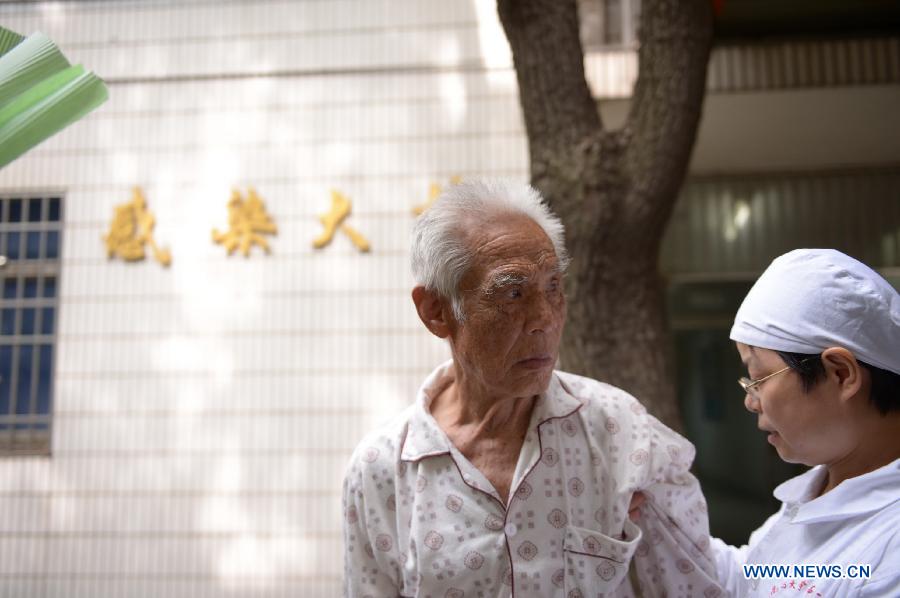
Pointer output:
204, 414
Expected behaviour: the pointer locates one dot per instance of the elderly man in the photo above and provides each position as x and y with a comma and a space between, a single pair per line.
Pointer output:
505, 477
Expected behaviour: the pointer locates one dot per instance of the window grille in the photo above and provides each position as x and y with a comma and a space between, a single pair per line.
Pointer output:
30, 246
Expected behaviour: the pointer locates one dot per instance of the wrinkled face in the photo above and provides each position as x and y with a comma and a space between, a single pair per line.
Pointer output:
804, 427
514, 307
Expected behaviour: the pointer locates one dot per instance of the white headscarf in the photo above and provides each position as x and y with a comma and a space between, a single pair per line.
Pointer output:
810, 299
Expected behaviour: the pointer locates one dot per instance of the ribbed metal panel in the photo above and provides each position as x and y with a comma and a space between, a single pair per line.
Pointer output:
611, 72
822, 63
733, 227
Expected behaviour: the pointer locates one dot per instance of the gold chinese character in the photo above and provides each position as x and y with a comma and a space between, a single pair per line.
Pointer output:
131, 229
333, 220
434, 191
247, 221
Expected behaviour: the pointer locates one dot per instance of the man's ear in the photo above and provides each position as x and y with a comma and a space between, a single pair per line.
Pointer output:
842, 369
430, 307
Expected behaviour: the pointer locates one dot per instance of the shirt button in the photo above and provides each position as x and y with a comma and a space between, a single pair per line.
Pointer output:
511, 529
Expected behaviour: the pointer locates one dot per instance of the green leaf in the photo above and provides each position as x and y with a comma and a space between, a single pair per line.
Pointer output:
48, 108
37, 93
28, 63
9, 40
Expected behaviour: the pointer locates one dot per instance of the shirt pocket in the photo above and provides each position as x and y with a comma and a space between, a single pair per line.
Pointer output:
597, 563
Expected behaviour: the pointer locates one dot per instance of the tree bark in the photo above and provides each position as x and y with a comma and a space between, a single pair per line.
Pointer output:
613, 190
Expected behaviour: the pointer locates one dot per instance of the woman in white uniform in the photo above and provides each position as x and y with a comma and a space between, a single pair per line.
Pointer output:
819, 334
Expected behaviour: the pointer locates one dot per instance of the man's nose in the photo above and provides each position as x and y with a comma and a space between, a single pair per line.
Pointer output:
542, 315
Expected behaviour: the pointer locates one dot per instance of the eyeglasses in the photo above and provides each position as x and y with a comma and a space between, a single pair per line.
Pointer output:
751, 386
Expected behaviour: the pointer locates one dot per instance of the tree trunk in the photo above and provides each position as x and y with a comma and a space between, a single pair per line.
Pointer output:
613, 190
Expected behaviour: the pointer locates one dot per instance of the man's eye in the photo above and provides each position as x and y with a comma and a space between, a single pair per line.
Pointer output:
514, 293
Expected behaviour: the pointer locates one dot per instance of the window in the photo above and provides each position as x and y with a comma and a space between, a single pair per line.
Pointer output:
30, 235
728, 227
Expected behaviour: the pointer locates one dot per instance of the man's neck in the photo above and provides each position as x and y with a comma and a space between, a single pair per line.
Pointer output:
488, 430
467, 407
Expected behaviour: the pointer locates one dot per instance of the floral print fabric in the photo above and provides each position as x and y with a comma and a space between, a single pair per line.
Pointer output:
420, 520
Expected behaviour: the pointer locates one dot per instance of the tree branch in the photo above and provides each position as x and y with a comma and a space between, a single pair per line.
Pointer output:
558, 109
675, 40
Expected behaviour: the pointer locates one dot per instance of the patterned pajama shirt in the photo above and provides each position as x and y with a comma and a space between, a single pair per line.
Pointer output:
420, 520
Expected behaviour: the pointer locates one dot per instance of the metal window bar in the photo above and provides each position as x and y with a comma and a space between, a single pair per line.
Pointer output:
38, 313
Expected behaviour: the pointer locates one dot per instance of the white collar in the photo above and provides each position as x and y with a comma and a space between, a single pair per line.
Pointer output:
863, 494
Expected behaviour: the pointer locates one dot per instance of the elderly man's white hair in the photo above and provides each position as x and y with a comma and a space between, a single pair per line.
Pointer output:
440, 254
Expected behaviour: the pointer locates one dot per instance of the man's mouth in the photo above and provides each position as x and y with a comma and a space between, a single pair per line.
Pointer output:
536, 362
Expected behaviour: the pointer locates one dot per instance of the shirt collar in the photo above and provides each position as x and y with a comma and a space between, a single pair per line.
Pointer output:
557, 401
424, 438
863, 494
